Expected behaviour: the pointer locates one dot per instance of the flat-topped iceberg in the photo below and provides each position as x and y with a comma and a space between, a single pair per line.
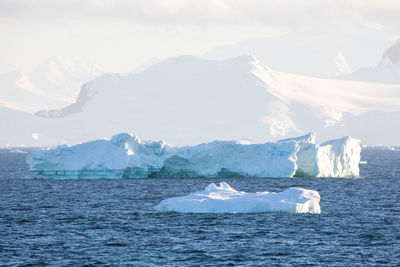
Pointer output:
227, 158
225, 199
122, 156
127, 156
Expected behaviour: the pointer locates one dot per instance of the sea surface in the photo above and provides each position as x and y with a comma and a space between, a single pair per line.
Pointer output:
112, 222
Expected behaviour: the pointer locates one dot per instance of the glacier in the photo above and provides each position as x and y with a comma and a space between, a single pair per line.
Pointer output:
189, 100
127, 156
225, 199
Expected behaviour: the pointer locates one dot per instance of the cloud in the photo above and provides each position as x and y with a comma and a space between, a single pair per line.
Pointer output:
298, 15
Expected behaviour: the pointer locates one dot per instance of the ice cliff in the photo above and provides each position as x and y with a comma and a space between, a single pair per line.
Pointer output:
127, 156
225, 199
335, 158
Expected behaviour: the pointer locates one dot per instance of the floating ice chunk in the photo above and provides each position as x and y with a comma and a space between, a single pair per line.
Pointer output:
96, 159
339, 158
126, 156
308, 138
17, 151
227, 158
335, 158
225, 199
392, 148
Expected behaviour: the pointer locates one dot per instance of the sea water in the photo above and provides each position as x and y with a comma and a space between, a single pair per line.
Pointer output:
113, 222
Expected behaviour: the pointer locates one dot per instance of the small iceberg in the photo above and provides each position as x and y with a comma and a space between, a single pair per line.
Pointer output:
225, 199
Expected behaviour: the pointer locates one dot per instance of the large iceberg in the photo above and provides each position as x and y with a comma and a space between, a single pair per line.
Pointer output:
335, 158
127, 156
225, 199
123, 156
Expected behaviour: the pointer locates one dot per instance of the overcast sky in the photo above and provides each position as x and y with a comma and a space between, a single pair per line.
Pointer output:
121, 34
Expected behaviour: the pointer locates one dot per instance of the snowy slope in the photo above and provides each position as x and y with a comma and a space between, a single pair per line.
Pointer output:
145, 65
53, 84
61, 78
387, 71
318, 56
187, 100
18, 92
314, 102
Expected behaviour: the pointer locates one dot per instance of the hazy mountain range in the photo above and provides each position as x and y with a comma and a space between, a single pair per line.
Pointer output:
188, 100
387, 71
53, 84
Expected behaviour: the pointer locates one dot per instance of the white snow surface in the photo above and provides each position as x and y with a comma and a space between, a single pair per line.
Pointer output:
189, 100
226, 157
334, 158
225, 199
126, 156
53, 84
323, 56
100, 158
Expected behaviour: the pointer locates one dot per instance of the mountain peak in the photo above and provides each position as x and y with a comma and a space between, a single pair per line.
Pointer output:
57, 65
249, 58
57, 60
393, 52
245, 59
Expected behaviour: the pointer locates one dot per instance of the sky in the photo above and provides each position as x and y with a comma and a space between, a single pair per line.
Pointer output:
120, 35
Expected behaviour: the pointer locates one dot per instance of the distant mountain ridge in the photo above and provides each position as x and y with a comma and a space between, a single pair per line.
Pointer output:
53, 84
322, 56
190, 100
387, 71
393, 53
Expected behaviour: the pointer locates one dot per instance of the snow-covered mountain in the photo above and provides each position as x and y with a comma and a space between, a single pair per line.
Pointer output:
145, 65
387, 71
53, 84
318, 56
18, 92
188, 100
62, 78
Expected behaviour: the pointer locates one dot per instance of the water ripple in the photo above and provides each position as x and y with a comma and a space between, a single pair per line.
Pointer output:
112, 222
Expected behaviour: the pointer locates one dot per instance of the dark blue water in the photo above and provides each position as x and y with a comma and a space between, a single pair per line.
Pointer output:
112, 222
